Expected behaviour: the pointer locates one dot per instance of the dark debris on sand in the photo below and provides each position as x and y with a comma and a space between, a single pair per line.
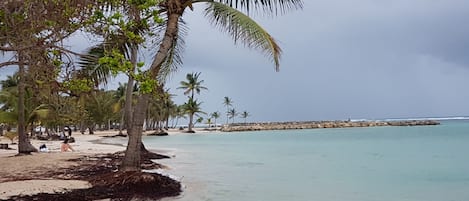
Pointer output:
101, 172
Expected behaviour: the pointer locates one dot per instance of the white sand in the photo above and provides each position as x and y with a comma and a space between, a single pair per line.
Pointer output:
38, 163
31, 187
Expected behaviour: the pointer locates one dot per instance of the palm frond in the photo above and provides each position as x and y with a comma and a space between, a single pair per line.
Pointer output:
8, 117
244, 29
41, 112
269, 7
90, 67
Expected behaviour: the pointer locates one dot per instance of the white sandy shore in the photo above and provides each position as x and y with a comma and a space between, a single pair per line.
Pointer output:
42, 162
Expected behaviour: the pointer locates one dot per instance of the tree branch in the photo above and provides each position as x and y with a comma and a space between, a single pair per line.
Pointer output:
9, 63
68, 51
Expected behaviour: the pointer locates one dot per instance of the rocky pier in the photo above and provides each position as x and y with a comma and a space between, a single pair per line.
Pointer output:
321, 124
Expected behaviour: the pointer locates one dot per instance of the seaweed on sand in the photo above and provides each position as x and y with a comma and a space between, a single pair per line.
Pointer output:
100, 171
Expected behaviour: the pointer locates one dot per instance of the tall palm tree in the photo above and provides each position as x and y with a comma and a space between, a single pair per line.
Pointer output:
215, 116
232, 114
225, 15
245, 115
192, 107
227, 102
193, 84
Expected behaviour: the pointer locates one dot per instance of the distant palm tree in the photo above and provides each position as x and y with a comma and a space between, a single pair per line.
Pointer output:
192, 107
192, 84
209, 122
215, 116
245, 115
232, 114
119, 95
199, 120
227, 102
178, 113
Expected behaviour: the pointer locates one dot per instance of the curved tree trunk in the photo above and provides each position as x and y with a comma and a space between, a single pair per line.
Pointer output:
131, 161
24, 145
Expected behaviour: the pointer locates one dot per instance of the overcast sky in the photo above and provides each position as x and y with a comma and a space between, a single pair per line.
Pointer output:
341, 59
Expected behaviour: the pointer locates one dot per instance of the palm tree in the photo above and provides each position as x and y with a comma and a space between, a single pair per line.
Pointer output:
215, 116
178, 113
227, 102
209, 122
100, 106
192, 107
225, 15
245, 115
232, 114
199, 120
192, 84
119, 95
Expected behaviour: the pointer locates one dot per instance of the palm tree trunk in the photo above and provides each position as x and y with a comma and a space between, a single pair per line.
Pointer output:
130, 88
227, 114
191, 119
131, 161
24, 145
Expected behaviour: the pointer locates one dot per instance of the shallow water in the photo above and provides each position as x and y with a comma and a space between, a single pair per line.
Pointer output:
428, 163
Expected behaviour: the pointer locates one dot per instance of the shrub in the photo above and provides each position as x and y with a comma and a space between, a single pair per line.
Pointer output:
11, 135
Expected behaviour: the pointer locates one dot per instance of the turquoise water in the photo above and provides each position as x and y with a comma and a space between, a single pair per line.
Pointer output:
358, 164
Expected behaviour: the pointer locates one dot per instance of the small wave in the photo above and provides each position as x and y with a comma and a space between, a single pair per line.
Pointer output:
164, 173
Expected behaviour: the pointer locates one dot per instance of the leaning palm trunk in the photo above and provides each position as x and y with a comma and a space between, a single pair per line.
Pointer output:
131, 161
24, 145
229, 20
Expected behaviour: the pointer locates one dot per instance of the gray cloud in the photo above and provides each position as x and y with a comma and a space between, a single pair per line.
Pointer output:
358, 59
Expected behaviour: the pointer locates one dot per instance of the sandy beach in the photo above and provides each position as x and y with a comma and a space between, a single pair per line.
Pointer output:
31, 174
14, 169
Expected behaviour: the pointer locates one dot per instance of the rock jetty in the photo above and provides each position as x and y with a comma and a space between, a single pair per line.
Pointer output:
321, 124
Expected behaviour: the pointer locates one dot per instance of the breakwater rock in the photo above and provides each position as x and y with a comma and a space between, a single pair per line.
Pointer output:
321, 124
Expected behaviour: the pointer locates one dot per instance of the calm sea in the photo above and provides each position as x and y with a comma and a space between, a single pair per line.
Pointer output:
429, 163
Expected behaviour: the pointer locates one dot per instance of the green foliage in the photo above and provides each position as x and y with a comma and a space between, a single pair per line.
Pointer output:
78, 85
147, 83
116, 62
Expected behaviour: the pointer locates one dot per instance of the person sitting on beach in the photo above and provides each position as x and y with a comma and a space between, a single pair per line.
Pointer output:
65, 146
